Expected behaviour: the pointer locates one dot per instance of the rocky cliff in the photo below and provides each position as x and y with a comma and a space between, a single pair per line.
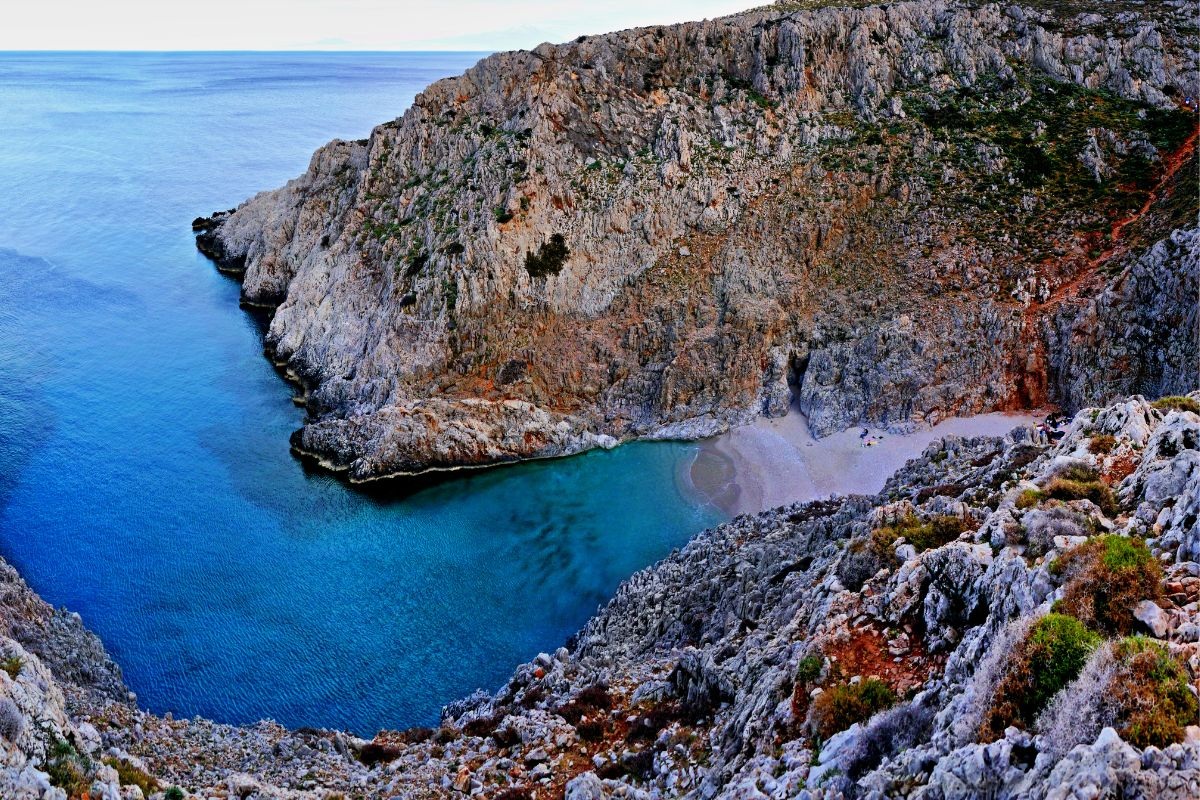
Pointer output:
887, 214
1006, 619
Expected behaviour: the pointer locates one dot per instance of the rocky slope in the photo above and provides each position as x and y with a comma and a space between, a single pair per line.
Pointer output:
869, 647
891, 213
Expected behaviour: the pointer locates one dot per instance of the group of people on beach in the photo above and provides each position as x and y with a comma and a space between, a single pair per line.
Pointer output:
1048, 431
1051, 429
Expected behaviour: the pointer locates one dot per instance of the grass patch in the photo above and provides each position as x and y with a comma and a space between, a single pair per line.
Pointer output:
129, 775
1177, 403
920, 534
844, 704
1078, 482
1105, 578
1050, 657
1028, 499
1102, 443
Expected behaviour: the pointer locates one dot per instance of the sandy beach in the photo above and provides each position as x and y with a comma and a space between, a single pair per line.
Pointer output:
773, 462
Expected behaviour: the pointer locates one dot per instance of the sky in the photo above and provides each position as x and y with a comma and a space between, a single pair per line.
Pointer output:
330, 24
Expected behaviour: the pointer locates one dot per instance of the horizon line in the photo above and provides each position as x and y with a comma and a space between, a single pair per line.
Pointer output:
240, 50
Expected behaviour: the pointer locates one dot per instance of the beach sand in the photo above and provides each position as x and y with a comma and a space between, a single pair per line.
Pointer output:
774, 462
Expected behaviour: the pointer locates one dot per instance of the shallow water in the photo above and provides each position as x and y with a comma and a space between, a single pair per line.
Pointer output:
145, 478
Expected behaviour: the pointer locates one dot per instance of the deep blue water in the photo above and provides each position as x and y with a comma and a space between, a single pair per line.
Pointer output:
145, 478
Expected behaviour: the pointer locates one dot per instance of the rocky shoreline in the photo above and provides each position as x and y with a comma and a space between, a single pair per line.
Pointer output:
775, 462
703, 676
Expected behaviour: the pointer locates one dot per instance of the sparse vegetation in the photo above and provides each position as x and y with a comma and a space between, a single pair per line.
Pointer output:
129, 775
808, 669
920, 534
1079, 482
1051, 656
1028, 499
1042, 526
1102, 443
844, 704
1105, 578
68, 769
1177, 403
12, 665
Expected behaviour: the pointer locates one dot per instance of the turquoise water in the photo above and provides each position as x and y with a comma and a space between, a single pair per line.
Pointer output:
145, 478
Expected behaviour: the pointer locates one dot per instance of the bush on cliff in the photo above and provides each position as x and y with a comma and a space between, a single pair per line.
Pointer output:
1105, 578
862, 561
1051, 655
1079, 482
549, 259
1133, 685
12, 665
1151, 691
844, 704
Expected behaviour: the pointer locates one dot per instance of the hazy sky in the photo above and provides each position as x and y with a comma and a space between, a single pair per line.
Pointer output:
329, 24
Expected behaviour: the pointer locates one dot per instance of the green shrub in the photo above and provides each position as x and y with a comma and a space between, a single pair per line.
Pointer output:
1152, 694
174, 793
809, 669
844, 704
129, 775
1105, 578
12, 665
1051, 656
549, 259
1177, 403
1102, 443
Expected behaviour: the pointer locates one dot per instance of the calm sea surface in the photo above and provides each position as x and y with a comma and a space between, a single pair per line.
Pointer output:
145, 479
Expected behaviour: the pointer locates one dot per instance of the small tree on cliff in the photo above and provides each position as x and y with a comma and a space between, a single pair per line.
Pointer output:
549, 258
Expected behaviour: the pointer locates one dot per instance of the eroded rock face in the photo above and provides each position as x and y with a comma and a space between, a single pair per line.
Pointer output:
891, 214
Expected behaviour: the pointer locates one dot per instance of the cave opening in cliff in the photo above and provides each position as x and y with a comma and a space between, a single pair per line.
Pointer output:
797, 366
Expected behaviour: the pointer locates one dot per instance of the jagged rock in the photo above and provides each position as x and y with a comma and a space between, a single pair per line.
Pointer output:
1151, 615
584, 787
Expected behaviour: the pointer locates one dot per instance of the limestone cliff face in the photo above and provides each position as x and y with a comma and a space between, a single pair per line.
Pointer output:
881, 212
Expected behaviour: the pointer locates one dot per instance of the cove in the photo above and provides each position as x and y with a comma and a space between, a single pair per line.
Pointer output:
145, 477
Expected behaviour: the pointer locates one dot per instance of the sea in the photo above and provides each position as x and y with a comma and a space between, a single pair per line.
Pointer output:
145, 476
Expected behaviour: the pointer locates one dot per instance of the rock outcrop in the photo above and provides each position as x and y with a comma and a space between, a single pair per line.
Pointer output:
704, 676
891, 214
